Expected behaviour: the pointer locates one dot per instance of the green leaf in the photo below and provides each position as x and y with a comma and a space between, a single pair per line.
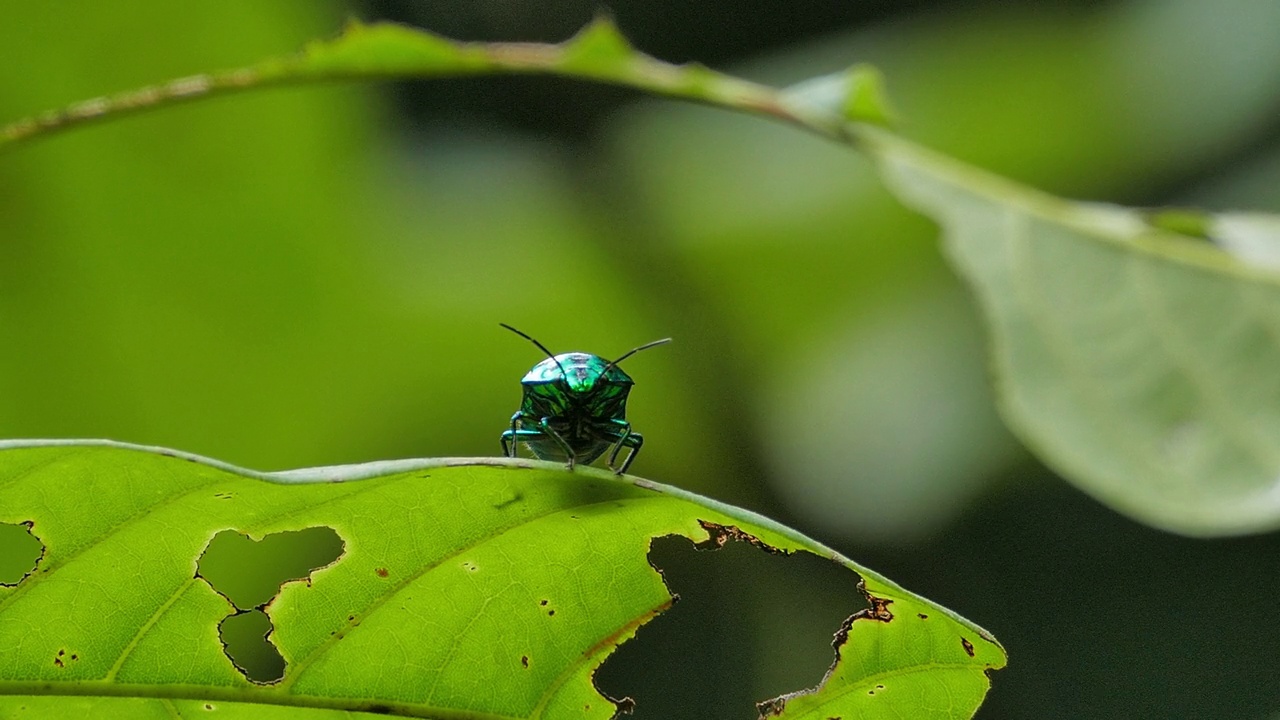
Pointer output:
1192, 223
866, 99
1140, 364
383, 50
464, 588
856, 95
599, 48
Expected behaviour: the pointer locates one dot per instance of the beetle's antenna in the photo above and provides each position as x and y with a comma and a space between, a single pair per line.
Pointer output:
544, 349
633, 351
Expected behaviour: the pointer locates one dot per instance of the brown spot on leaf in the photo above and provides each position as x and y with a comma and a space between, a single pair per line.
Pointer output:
58, 659
772, 707
382, 572
524, 660
968, 646
879, 609
718, 535
922, 616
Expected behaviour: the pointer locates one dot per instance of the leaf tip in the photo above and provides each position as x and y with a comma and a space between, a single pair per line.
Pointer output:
854, 95
865, 97
599, 42
384, 47
1183, 221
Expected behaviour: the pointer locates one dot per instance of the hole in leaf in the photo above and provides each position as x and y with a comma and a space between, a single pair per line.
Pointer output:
20, 552
245, 637
701, 658
250, 573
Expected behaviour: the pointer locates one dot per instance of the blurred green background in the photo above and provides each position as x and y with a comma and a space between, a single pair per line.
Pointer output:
313, 276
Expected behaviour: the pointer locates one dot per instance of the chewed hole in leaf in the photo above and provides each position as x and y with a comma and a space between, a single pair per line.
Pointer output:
245, 637
20, 552
250, 573
699, 659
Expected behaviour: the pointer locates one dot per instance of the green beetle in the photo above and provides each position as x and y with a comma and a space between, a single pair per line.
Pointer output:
575, 408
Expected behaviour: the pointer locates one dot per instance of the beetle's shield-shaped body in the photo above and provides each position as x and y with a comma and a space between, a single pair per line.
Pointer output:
583, 399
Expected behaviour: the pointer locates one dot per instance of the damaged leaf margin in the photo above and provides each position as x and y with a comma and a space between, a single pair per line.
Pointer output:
21, 562
509, 575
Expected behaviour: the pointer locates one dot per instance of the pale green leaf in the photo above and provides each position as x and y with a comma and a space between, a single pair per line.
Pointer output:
1252, 238
1139, 363
857, 94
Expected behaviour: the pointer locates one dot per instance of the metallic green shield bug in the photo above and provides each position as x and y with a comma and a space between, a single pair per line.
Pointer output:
575, 408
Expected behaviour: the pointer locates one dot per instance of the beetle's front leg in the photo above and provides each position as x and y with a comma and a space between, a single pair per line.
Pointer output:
509, 437
626, 437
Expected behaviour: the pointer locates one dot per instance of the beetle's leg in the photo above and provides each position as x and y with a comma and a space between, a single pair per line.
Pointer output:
509, 436
632, 440
521, 436
545, 425
623, 431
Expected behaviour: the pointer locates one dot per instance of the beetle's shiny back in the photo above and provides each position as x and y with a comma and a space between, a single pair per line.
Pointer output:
580, 371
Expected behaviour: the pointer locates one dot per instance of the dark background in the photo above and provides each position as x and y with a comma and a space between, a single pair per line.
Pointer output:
315, 276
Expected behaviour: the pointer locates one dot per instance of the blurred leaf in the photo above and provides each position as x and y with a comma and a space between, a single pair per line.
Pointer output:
1253, 238
382, 50
858, 94
1138, 363
1192, 223
467, 588
599, 45
866, 99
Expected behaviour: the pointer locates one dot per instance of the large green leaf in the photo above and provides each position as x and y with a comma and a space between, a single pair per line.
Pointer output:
466, 588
